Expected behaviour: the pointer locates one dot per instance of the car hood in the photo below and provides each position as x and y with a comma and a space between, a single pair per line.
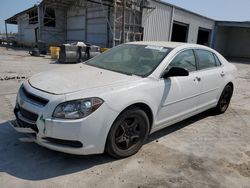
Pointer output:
78, 77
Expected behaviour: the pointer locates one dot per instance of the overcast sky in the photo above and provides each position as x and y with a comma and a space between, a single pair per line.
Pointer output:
231, 10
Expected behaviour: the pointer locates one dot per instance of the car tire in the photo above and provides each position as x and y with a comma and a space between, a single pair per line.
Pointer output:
224, 100
128, 133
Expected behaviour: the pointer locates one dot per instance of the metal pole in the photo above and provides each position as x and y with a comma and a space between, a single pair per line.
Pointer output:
123, 21
6, 30
39, 23
86, 22
171, 24
114, 24
213, 37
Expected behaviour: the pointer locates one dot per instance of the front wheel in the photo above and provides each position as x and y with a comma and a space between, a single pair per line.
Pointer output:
224, 100
128, 133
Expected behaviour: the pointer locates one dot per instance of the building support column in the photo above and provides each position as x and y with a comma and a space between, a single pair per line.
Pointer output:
6, 30
114, 24
213, 37
123, 21
171, 24
39, 23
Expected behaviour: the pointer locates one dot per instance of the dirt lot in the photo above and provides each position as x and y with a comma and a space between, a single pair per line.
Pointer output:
204, 151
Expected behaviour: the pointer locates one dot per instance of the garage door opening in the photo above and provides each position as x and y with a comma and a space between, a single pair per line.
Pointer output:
179, 32
203, 36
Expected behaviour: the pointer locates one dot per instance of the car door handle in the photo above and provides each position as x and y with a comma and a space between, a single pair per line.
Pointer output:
197, 79
222, 73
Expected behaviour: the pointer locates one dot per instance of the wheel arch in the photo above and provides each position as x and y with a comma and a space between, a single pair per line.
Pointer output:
143, 106
230, 84
146, 109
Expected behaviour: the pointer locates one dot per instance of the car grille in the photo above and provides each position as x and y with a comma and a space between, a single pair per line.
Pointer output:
33, 98
70, 143
28, 115
30, 118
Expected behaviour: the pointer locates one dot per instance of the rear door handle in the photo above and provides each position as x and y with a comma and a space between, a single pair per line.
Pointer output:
222, 73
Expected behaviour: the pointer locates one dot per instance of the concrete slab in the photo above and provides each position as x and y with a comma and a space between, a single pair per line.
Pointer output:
203, 151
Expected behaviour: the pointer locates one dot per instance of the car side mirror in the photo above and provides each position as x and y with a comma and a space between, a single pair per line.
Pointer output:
175, 71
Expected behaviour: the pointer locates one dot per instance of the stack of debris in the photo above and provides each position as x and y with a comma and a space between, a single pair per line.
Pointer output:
77, 52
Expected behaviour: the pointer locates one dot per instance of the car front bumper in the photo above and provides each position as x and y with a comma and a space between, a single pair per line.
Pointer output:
80, 137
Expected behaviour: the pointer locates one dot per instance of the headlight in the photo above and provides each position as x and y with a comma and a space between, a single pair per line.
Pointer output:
77, 109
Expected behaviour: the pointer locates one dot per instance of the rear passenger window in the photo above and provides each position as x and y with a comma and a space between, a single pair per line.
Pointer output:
186, 60
206, 59
218, 63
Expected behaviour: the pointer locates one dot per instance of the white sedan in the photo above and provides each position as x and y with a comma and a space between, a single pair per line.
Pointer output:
114, 101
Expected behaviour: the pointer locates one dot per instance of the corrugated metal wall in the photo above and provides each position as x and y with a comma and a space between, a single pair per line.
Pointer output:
88, 25
97, 24
76, 24
194, 21
55, 34
157, 22
26, 31
233, 42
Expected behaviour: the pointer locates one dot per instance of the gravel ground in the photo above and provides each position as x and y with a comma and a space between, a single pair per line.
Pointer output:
203, 151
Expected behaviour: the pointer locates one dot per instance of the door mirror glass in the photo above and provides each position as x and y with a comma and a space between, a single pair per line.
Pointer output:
175, 71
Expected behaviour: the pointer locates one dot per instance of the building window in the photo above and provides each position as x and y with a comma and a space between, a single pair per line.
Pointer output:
33, 16
49, 17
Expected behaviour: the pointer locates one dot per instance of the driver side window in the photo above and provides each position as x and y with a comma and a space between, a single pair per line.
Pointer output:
186, 60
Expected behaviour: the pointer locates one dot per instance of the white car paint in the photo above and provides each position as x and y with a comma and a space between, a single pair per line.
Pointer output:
170, 100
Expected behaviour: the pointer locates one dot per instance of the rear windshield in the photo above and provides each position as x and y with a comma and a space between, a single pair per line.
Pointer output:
131, 59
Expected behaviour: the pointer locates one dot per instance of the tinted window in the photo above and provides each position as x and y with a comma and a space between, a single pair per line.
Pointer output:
206, 59
186, 60
218, 63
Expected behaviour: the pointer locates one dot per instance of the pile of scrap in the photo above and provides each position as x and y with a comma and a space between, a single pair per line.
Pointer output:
77, 52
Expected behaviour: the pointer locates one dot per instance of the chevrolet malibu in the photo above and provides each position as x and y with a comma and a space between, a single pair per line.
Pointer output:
114, 101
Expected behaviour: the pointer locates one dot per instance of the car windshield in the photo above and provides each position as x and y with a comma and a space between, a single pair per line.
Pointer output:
131, 59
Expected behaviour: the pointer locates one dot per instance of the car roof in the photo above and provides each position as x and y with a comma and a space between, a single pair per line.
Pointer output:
166, 44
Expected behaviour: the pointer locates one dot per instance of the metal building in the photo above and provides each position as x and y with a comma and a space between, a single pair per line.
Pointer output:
171, 23
100, 22
232, 39
110, 22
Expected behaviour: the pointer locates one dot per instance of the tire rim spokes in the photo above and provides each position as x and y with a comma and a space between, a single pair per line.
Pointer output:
225, 99
128, 133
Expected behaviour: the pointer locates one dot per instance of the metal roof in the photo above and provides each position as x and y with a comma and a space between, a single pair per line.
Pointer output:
233, 24
13, 19
59, 3
177, 7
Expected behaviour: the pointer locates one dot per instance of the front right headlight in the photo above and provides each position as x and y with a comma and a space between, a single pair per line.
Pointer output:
77, 109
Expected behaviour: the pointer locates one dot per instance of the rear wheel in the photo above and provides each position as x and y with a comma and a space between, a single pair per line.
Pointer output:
224, 100
128, 133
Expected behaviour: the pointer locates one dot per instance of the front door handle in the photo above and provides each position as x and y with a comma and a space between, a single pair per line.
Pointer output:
197, 79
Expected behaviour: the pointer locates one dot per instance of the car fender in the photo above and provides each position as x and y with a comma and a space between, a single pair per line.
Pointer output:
132, 98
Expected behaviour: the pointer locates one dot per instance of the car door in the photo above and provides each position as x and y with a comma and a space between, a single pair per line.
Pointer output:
181, 94
212, 77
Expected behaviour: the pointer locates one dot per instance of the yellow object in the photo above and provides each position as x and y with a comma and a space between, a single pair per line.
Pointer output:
54, 51
103, 49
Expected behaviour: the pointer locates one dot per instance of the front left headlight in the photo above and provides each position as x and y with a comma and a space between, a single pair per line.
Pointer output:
77, 109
